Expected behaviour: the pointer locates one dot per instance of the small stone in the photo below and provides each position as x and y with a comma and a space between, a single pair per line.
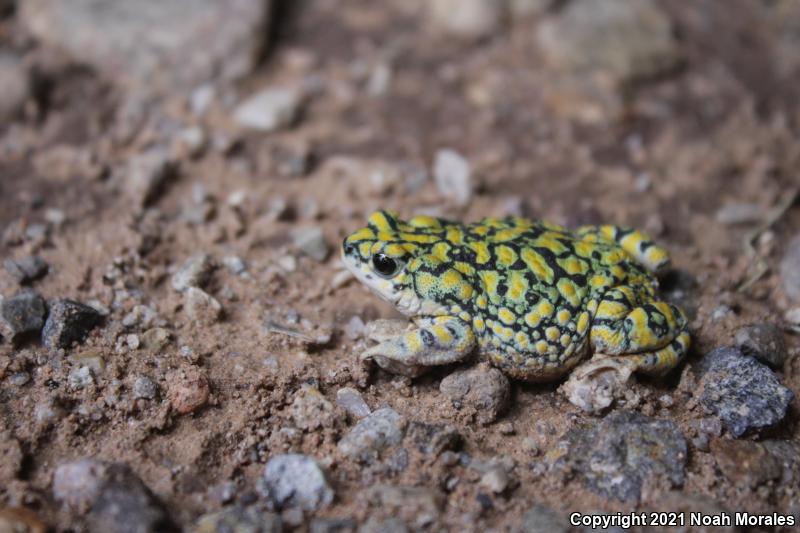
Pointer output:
390, 525
22, 314
531, 446
496, 480
310, 410
19, 379
744, 394
80, 377
352, 402
92, 360
311, 241
188, 389
269, 110
483, 389
453, 176
133, 341
367, 439
433, 439
746, 463
467, 19
235, 265
597, 383
764, 341
417, 506
790, 269
239, 519
355, 327
14, 81
296, 480
68, 322
20, 519
201, 307
541, 519
626, 452
147, 174
629, 39
155, 339
191, 141
26, 269
194, 272
201, 99
144, 388
740, 213
140, 316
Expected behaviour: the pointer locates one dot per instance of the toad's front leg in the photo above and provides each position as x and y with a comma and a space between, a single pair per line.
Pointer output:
435, 341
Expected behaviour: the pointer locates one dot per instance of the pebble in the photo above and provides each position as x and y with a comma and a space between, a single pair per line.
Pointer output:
790, 269
234, 264
744, 394
419, 507
188, 389
541, 519
141, 316
147, 175
629, 39
311, 241
68, 322
80, 377
115, 497
741, 213
20, 519
626, 451
155, 339
496, 480
238, 519
374, 433
144, 388
195, 272
191, 141
433, 439
453, 176
295, 480
269, 110
466, 19
19, 379
201, 307
483, 389
765, 342
310, 410
14, 81
352, 402
22, 314
26, 269
746, 463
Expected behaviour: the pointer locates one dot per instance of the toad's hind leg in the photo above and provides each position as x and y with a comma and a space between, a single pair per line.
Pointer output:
637, 244
653, 334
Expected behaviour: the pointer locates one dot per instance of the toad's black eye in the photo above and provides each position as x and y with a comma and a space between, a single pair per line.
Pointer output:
384, 265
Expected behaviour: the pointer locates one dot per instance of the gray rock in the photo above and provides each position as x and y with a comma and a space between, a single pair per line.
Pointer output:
147, 174
117, 500
739, 213
419, 507
68, 322
310, 410
483, 389
746, 463
433, 439
22, 314
630, 39
764, 341
468, 19
194, 272
14, 81
296, 480
744, 394
352, 402
239, 519
234, 264
541, 519
80, 377
145, 388
311, 241
367, 439
269, 110
332, 525
201, 307
26, 269
790, 269
453, 176
155, 46
625, 452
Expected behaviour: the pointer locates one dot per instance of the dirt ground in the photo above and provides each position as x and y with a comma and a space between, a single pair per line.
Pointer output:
699, 153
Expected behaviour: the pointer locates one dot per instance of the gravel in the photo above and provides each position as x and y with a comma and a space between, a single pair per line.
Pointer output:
238, 519
483, 389
352, 402
295, 480
144, 388
80, 377
147, 174
453, 176
201, 307
433, 439
69, 322
627, 453
195, 272
188, 389
744, 394
22, 314
269, 110
367, 439
311, 241
765, 342
310, 410
26, 269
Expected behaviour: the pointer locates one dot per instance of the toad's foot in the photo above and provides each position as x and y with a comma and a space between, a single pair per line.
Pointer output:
436, 341
594, 385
